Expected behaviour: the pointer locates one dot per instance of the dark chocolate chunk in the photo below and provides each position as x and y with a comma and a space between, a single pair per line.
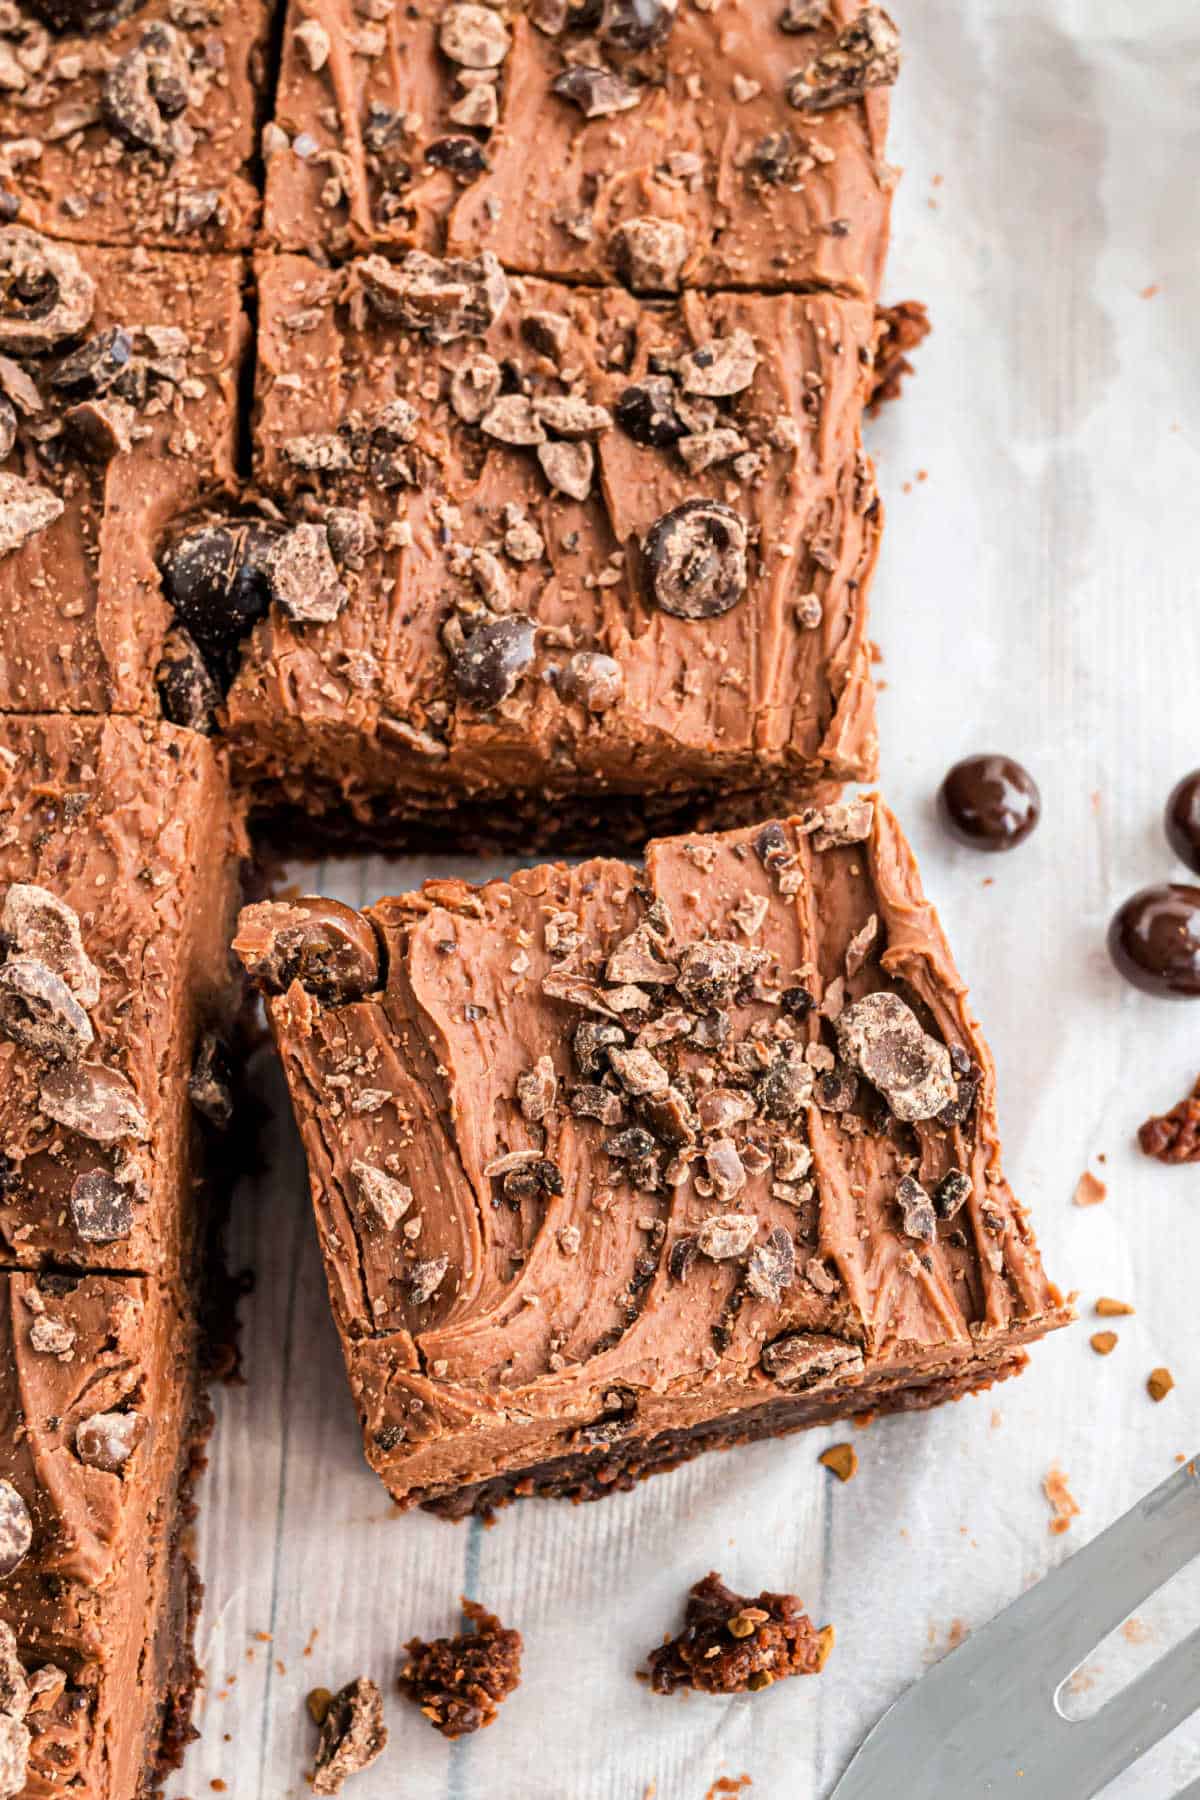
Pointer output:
144, 93
425, 1278
353, 1735
695, 560
596, 91
592, 1043
93, 368
951, 1193
772, 1266
302, 575
1154, 940
491, 663
39, 1011
1183, 820
646, 411
94, 1101
866, 54
210, 1086
636, 24
460, 1682
101, 1208
881, 1037
797, 1001
917, 1210
786, 1089
107, 1440
187, 692
447, 300
327, 947
474, 37
990, 802
712, 972
16, 1530
803, 1359
463, 156
595, 680
684, 1253
35, 922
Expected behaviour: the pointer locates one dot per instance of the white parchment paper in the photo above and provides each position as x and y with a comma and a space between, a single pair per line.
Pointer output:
1038, 594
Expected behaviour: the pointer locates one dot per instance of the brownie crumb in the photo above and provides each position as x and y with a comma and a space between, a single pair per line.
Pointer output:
1089, 1190
900, 329
1113, 1309
733, 1645
1103, 1342
1174, 1137
460, 1682
353, 1734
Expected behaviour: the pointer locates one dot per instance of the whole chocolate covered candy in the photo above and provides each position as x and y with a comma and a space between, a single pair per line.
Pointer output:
1154, 940
990, 802
1183, 820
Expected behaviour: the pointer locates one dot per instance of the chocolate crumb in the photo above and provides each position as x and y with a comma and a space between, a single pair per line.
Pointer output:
841, 1460
1159, 1383
1174, 1137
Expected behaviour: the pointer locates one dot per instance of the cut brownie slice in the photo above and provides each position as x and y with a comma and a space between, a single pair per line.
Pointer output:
134, 123
611, 1165
99, 1439
655, 144
552, 547
118, 874
118, 409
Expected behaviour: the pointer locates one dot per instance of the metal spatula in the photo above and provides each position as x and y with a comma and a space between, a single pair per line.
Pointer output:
986, 1722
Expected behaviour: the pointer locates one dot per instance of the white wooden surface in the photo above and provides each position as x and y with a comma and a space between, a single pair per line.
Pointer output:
1038, 594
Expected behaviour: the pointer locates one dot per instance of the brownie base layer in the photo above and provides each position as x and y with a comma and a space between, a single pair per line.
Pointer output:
525, 824
175, 1639
618, 1468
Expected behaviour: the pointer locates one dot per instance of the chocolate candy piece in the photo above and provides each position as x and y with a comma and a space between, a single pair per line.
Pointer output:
990, 802
1183, 820
1154, 940
216, 579
93, 368
646, 410
636, 24
94, 1101
45, 295
39, 1011
328, 948
187, 692
16, 1530
695, 560
492, 661
144, 93
101, 1208
107, 1440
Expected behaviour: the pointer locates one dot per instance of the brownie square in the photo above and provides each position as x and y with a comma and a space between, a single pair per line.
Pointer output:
655, 598
118, 407
136, 123
659, 145
614, 1165
99, 1435
119, 850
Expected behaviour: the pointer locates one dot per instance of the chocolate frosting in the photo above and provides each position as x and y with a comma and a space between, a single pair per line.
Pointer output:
82, 618
91, 1600
492, 1323
130, 825
760, 193
364, 712
74, 171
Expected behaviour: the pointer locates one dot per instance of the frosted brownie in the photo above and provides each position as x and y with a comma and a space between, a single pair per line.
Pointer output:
118, 409
134, 123
642, 141
99, 1435
611, 1166
538, 553
119, 852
